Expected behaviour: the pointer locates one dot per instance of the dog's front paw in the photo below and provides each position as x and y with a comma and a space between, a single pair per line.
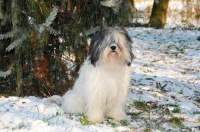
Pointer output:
118, 115
96, 118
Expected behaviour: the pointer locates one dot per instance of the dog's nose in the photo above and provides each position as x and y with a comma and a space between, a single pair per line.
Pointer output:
113, 47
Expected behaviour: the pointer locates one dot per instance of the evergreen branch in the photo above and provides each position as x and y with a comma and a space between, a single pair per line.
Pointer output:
5, 74
4, 20
91, 31
41, 28
114, 4
16, 43
51, 17
48, 22
34, 25
9, 34
111, 3
51, 31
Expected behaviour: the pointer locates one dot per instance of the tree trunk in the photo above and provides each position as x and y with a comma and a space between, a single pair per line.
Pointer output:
159, 14
19, 88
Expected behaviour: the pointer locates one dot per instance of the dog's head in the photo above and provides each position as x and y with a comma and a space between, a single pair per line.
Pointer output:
111, 46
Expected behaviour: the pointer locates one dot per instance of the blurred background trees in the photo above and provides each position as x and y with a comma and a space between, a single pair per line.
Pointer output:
167, 13
44, 42
159, 13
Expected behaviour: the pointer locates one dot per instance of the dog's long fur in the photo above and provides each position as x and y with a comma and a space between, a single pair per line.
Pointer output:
102, 85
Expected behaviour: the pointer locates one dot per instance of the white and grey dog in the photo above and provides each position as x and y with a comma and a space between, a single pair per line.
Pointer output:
102, 85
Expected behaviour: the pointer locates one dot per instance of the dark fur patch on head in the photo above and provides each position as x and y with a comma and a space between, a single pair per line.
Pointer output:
95, 45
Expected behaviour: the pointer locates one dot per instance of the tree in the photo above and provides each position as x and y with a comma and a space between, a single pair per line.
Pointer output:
159, 13
43, 43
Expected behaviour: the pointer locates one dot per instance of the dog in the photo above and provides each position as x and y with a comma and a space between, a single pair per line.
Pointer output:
101, 88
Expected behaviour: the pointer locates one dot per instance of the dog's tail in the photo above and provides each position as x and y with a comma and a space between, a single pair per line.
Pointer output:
56, 99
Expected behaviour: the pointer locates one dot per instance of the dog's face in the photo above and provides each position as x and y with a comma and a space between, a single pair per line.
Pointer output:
111, 47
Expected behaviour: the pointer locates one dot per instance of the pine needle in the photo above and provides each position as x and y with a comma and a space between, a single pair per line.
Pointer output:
5, 74
16, 43
51, 31
51, 17
8, 34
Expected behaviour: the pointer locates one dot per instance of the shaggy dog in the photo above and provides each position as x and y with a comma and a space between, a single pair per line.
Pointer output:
102, 85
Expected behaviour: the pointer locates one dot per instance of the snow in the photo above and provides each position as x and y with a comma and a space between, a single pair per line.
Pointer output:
141, 6
176, 5
165, 74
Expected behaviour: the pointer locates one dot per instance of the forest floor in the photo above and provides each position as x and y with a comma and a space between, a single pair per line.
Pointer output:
164, 94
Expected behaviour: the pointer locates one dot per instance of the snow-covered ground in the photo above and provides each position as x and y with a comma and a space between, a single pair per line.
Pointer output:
164, 94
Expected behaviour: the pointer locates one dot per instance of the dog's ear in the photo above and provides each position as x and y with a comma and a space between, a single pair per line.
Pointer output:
131, 56
129, 46
94, 53
95, 47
